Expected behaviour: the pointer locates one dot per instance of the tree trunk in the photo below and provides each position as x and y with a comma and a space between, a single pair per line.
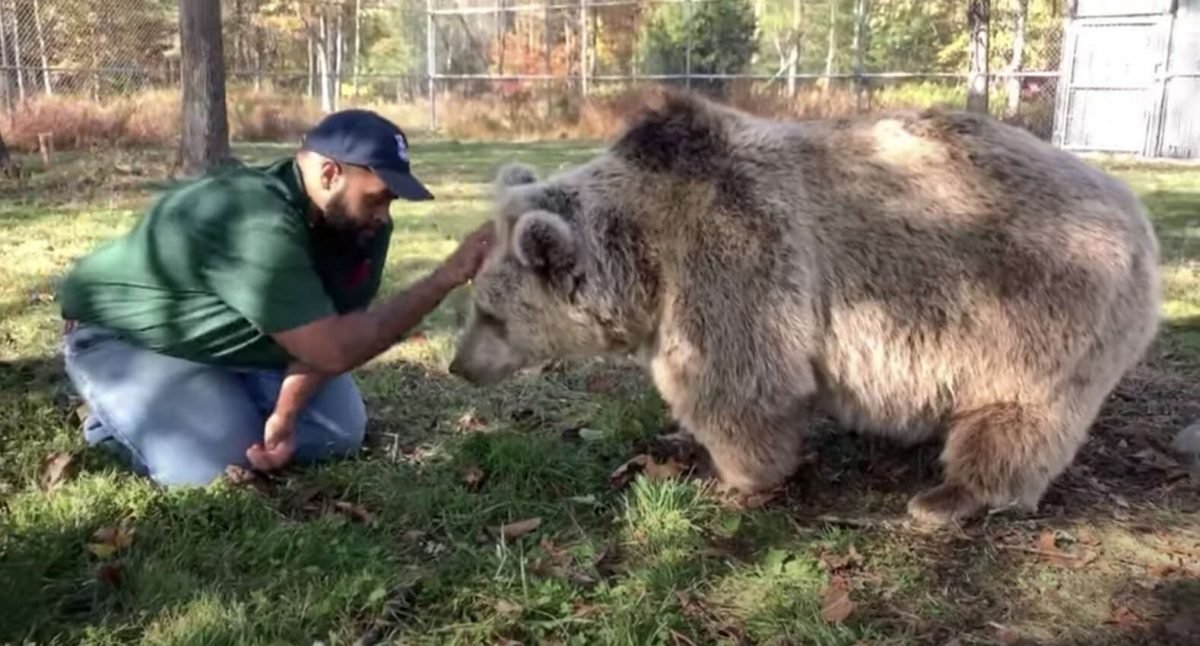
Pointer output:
311, 65
978, 15
1018, 59
341, 57
204, 143
323, 71
7, 166
357, 41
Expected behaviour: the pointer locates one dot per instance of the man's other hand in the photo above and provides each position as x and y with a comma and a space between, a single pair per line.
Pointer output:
277, 447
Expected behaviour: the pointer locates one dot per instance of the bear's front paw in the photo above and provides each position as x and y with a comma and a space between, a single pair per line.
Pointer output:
943, 505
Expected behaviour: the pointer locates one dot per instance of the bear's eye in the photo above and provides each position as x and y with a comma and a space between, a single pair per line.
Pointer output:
491, 320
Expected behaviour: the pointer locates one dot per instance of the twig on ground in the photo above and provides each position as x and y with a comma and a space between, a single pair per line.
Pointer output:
891, 524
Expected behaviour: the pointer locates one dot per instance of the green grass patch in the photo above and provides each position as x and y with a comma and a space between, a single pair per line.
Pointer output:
397, 545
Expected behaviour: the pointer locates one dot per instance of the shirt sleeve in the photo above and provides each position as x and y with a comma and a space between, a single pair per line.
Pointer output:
264, 270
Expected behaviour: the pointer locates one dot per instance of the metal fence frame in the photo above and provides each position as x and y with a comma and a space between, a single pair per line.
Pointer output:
433, 81
1161, 16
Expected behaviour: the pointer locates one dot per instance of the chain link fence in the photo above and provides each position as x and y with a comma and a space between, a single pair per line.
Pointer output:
538, 66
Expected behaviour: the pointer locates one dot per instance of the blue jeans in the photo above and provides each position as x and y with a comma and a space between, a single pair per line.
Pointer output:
182, 423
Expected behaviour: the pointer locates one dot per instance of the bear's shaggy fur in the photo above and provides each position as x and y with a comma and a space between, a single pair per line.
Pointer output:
933, 275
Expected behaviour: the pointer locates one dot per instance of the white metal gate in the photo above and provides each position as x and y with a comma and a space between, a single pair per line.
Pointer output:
1130, 78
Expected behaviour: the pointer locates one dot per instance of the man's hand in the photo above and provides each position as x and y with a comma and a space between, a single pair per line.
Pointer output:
278, 445
464, 263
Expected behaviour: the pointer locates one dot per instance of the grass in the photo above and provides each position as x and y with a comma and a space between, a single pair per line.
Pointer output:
396, 545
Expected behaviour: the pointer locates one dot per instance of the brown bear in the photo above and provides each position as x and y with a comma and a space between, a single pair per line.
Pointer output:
920, 275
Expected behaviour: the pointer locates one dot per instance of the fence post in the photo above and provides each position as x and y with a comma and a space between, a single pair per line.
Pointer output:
430, 63
1062, 83
978, 17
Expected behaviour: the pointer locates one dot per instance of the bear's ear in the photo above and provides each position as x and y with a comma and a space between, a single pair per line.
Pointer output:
675, 132
545, 243
515, 174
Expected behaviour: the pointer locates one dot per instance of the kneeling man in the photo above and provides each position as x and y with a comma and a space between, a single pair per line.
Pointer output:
221, 329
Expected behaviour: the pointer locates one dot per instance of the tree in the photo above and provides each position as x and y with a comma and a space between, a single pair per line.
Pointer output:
718, 37
7, 166
204, 143
978, 15
1018, 53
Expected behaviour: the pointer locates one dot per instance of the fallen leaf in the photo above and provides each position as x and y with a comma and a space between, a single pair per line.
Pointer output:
110, 573
624, 473
832, 561
471, 422
1123, 617
56, 469
1163, 571
239, 476
505, 607
107, 541
472, 477
1007, 636
753, 501
668, 469
1155, 459
836, 605
81, 413
591, 435
646, 464
119, 537
520, 528
102, 550
584, 609
1048, 549
355, 512
600, 384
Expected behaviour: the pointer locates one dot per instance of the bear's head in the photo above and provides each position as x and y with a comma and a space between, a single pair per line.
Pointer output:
575, 269
527, 305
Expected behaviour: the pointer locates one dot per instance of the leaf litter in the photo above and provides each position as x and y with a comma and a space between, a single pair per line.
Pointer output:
57, 468
836, 605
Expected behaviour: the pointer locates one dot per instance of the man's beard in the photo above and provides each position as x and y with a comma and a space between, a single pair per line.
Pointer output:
337, 215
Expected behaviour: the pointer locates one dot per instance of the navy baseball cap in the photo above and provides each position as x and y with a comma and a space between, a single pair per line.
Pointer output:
364, 138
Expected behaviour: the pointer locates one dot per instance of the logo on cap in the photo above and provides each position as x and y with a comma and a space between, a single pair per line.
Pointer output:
401, 148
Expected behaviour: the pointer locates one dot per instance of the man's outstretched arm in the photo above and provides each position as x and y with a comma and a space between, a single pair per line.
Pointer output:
338, 344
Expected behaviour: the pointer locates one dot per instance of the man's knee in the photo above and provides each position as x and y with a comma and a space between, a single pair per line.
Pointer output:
335, 422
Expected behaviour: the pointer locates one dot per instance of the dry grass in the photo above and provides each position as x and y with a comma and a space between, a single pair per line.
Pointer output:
506, 114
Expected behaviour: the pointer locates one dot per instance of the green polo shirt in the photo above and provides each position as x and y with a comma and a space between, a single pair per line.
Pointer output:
219, 264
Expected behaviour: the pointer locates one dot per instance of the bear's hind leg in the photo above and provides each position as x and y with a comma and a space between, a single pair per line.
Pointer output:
1002, 455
